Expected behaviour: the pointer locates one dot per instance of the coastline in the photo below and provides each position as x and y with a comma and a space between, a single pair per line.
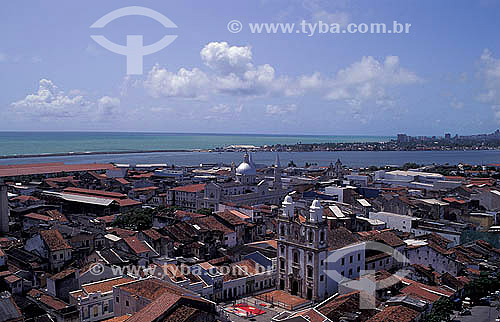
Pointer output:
68, 154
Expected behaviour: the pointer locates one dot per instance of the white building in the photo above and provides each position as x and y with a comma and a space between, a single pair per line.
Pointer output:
308, 253
95, 300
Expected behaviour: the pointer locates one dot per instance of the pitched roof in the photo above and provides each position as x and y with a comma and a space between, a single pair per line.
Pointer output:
340, 237
137, 245
36, 216
397, 313
190, 188
106, 285
54, 240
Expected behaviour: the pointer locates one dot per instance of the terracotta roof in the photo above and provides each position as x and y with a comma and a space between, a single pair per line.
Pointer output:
121, 318
190, 188
144, 189
100, 193
36, 216
24, 198
231, 218
336, 307
136, 245
106, 285
48, 168
397, 313
153, 234
63, 274
122, 199
12, 279
48, 300
210, 223
121, 232
152, 288
56, 215
386, 237
54, 240
122, 181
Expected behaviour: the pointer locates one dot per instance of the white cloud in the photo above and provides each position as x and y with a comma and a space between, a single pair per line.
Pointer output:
338, 17
280, 110
226, 59
185, 83
220, 109
49, 101
489, 71
107, 106
370, 80
232, 73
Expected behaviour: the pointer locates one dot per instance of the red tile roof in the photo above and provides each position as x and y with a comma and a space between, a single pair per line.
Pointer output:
136, 245
50, 168
396, 313
54, 240
190, 188
106, 285
47, 300
36, 216
144, 189
122, 181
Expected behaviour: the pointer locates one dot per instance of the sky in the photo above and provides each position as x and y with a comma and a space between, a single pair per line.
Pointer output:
442, 76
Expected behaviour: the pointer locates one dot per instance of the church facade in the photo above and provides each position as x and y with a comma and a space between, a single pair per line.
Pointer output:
309, 253
245, 188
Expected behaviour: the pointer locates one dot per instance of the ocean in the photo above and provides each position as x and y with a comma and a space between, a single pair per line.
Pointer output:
12, 143
18, 143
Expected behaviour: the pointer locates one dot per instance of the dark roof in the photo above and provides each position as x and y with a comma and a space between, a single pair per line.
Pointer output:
340, 237
8, 308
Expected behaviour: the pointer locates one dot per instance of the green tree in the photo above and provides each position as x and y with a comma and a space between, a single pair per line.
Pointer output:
441, 311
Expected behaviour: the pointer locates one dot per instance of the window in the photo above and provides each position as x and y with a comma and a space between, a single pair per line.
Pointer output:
296, 257
350, 259
321, 278
322, 236
359, 257
117, 299
343, 261
309, 271
96, 310
310, 236
322, 262
350, 271
282, 264
342, 273
310, 257
359, 269
126, 303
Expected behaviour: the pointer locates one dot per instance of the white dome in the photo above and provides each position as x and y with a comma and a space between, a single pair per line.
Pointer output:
246, 169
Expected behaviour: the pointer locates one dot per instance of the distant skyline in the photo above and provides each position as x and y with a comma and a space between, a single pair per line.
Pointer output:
442, 77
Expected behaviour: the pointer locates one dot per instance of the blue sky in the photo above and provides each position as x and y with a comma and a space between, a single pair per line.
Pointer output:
443, 76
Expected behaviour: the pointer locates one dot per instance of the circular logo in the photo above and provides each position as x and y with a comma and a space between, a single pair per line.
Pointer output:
97, 269
234, 26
